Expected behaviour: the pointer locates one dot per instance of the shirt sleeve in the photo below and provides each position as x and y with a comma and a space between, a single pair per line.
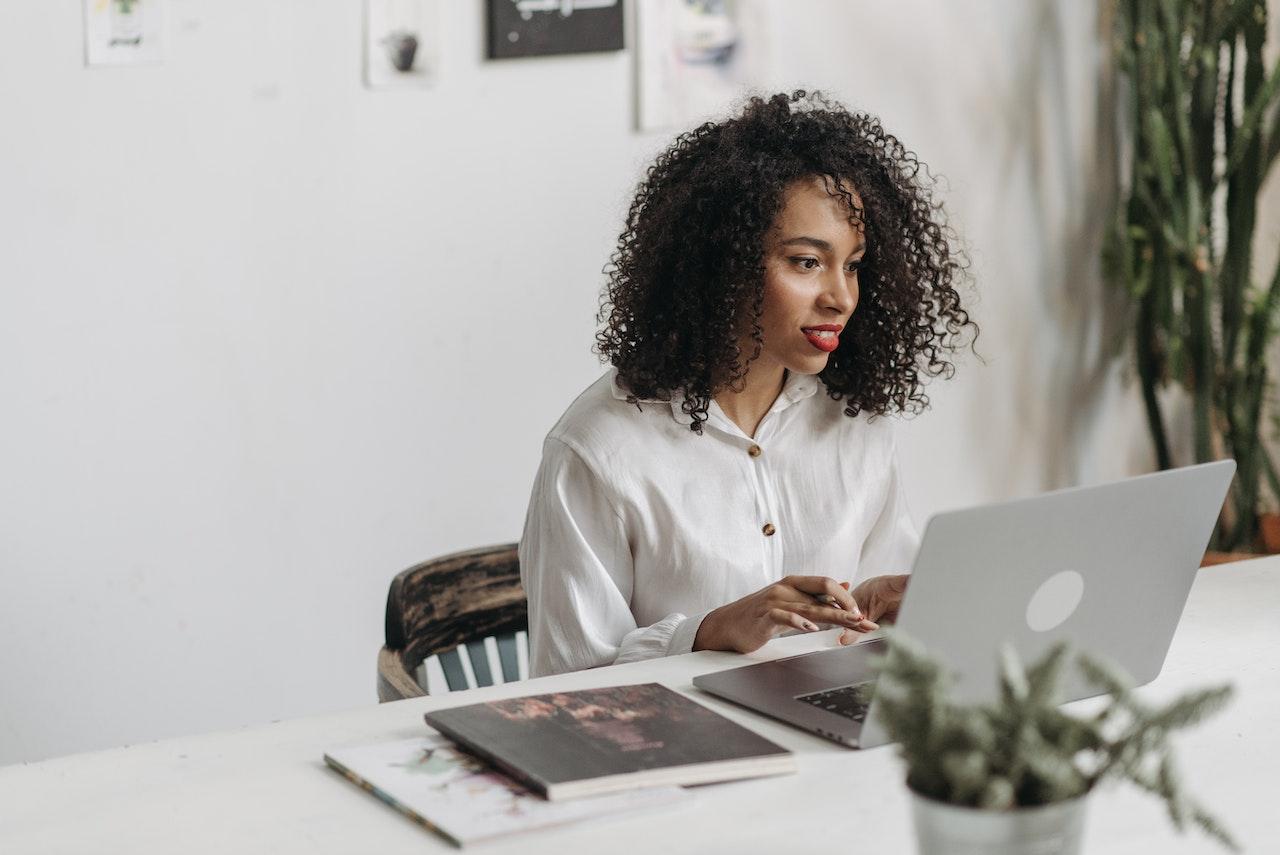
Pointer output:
891, 545
577, 572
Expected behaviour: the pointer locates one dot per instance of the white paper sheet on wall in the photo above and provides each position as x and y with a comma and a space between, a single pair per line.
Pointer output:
695, 58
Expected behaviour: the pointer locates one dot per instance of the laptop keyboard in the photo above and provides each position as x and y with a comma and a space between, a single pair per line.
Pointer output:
848, 701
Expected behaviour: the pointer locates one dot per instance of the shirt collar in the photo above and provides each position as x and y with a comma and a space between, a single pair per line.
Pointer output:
795, 388
620, 392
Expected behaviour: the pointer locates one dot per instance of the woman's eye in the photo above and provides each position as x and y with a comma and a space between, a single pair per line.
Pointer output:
806, 263
854, 266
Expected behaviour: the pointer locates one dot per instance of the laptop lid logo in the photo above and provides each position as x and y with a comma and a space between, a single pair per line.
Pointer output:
1055, 600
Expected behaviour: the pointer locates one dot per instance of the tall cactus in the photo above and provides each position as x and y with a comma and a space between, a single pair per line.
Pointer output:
1200, 132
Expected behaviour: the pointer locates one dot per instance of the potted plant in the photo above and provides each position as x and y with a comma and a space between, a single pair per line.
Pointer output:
402, 48
1012, 777
1198, 135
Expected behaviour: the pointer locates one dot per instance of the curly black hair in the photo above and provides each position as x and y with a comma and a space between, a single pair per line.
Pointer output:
686, 281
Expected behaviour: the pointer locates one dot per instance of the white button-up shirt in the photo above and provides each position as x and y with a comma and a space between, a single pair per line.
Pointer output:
638, 527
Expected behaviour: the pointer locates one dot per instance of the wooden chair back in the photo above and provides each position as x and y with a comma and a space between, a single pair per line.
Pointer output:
468, 602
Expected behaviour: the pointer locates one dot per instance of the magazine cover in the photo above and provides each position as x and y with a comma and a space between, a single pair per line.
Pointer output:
464, 799
612, 736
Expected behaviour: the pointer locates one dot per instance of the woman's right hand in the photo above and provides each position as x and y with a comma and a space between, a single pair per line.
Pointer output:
746, 624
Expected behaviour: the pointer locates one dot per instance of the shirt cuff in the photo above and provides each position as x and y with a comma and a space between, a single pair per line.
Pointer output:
682, 639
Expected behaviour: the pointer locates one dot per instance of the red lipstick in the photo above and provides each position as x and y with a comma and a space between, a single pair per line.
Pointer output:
825, 337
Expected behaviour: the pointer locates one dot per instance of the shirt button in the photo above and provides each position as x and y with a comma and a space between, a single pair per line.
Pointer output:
768, 529
754, 451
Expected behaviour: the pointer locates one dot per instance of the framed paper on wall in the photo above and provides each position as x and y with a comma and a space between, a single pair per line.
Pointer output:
695, 58
544, 27
123, 32
401, 43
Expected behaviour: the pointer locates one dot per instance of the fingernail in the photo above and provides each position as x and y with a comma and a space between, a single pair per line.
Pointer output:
812, 627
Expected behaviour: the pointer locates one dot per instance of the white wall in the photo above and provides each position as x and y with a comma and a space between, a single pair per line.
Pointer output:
267, 338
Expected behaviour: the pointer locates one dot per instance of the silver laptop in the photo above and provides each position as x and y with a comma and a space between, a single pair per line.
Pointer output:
1107, 568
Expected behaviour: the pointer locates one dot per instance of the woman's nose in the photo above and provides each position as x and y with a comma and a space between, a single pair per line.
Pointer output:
841, 292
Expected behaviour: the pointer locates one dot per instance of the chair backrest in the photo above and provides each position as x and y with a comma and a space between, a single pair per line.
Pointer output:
468, 601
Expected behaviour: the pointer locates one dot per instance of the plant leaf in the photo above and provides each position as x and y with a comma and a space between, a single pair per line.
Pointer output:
997, 795
1190, 708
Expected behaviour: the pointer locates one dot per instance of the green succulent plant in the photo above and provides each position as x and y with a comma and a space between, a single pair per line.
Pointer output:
1022, 750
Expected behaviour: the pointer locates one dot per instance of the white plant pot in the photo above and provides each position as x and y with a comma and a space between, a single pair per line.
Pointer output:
943, 829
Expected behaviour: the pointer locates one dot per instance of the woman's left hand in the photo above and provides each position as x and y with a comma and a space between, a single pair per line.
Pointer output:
880, 597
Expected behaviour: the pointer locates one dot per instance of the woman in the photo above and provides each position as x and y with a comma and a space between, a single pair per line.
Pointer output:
782, 279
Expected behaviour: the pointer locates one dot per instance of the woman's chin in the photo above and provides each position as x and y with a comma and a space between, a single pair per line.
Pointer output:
809, 364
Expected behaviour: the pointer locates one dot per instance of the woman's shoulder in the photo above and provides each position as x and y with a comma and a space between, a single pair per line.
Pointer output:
601, 419
866, 443
828, 415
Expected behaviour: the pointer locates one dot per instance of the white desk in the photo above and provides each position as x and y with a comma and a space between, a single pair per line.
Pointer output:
266, 789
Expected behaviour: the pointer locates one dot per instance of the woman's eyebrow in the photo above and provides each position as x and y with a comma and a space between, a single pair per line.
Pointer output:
817, 243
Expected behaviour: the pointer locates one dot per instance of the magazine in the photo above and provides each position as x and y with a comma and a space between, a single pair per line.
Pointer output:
464, 799
570, 744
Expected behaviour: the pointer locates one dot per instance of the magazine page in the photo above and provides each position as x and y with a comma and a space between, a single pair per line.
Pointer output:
466, 800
